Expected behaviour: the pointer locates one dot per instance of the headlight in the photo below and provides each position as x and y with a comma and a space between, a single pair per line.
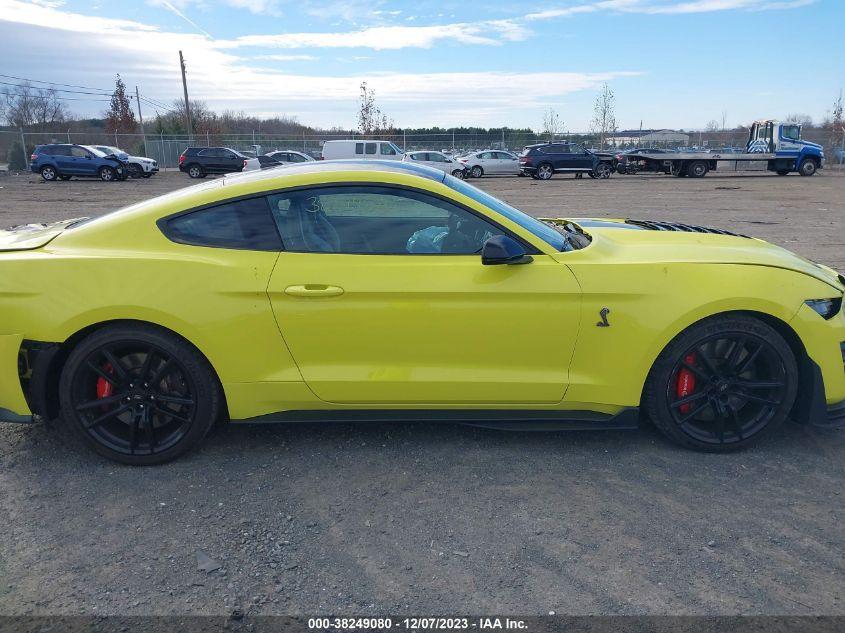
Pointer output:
825, 308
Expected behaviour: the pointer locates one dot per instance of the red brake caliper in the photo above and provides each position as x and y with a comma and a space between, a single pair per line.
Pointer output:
104, 388
685, 384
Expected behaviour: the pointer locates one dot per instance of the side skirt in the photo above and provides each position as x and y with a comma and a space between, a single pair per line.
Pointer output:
503, 419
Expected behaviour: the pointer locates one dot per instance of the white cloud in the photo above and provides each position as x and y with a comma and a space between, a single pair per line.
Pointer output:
655, 7
284, 58
388, 37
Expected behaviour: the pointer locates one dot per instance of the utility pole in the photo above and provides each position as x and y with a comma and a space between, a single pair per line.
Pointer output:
185, 89
140, 116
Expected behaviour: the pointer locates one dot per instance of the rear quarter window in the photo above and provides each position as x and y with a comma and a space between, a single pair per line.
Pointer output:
240, 224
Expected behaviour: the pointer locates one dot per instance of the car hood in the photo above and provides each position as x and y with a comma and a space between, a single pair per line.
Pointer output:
643, 240
29, 236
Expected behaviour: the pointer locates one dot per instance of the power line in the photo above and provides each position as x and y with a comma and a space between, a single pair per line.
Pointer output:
157, 106
78, 92
52, 83
20, 94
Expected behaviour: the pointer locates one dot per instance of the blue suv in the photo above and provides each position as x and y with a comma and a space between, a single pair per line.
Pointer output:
64, 161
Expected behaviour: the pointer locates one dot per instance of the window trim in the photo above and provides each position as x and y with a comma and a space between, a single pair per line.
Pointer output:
162, 223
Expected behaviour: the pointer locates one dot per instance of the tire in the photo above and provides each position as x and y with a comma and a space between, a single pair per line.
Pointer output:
107, 174
697, 169
602, 170
476, 171
720, 410
782, 172
545, 171
146, 175
49, 173
107, 403
195, 171
65, 177
458, 173
807, 167
136, 171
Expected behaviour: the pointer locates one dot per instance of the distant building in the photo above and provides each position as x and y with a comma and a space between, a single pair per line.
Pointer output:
649, 138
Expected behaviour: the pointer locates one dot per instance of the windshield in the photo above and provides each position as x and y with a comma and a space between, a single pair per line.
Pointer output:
541, 230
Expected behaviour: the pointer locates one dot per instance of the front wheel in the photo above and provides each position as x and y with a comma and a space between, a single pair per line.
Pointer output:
107, 174
603, 170
458, 173
545, 171
807, 167
722, 384
136, 171
138, 395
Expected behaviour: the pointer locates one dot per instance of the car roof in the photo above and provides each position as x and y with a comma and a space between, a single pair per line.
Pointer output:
328, 166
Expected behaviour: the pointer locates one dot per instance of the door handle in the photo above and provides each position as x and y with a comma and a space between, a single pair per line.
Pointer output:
314, 290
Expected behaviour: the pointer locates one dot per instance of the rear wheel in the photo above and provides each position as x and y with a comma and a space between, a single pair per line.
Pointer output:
196, 171
545, 171
49, 173
698, 169
476, 171
722, 384
106, 173
807, 167
603, 170
135, 170
138, 395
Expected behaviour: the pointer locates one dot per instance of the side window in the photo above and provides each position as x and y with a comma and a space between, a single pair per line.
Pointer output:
436, 158
377, 221
370, 148
60, 150
242, 224
79, 152
207, 152
791, 132
387, 149
359, 148
296, 158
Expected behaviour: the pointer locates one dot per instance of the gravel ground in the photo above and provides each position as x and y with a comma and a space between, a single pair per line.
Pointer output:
440, 519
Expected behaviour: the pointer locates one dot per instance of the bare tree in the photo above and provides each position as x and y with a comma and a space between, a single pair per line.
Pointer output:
371, 120
837, 123
25, 106
552, 124
712, 125
798, 117
604, 116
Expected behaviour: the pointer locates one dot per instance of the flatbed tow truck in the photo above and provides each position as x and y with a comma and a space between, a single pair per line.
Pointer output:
778, 144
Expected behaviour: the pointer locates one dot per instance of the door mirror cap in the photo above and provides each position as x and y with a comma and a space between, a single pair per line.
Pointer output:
501, 249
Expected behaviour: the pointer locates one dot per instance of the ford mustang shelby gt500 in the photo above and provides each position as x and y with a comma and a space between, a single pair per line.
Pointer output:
346, 290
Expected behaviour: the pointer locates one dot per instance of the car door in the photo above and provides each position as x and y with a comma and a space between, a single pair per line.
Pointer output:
485, 159
381, 297
83, 161
510, 163
581, 158
64, 159
209, 160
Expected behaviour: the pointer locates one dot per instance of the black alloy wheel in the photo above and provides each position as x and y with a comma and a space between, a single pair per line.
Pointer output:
722, 383
138, 395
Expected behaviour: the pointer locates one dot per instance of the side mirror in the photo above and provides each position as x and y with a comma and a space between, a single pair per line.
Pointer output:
501, 249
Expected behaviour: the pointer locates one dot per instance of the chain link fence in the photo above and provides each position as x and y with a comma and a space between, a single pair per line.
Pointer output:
166, 148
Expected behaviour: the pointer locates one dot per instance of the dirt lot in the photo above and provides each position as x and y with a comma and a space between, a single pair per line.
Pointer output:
423, 519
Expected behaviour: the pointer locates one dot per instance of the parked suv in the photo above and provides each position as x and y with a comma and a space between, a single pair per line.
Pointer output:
197, 162
138, 166
543, 160
63, 161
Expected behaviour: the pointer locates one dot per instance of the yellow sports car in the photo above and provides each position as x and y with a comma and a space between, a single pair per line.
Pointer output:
348, 290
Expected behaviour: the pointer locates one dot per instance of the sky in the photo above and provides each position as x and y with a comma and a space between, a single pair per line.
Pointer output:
671, 63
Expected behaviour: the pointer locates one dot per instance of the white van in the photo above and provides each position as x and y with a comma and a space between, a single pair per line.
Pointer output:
383, 150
